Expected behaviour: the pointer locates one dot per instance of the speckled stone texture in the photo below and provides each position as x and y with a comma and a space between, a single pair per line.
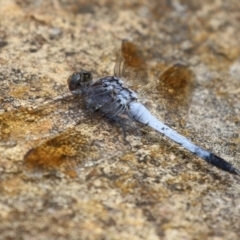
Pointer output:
156, 191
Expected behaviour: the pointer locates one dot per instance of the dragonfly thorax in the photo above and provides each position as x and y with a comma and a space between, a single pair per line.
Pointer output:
109, 96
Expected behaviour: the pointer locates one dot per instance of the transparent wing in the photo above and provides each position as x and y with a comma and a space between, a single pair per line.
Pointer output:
131, 65
171, 92
26, 113
58, 147
26, 124
84, 145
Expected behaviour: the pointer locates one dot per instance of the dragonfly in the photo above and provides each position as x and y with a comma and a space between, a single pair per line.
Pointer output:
108, 113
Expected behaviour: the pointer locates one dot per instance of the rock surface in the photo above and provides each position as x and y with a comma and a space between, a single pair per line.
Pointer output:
157, 192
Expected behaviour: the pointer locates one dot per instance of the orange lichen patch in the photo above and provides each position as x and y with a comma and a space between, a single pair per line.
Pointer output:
18, 92
30, 125
125, 183
128, 157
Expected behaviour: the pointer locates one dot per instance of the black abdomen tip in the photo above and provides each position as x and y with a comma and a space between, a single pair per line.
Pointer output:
222, 164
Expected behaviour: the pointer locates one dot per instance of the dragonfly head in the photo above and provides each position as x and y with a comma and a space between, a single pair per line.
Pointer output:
78, 81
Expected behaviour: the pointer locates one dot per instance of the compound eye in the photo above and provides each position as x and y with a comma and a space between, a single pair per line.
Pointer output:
74, 81
87, 76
